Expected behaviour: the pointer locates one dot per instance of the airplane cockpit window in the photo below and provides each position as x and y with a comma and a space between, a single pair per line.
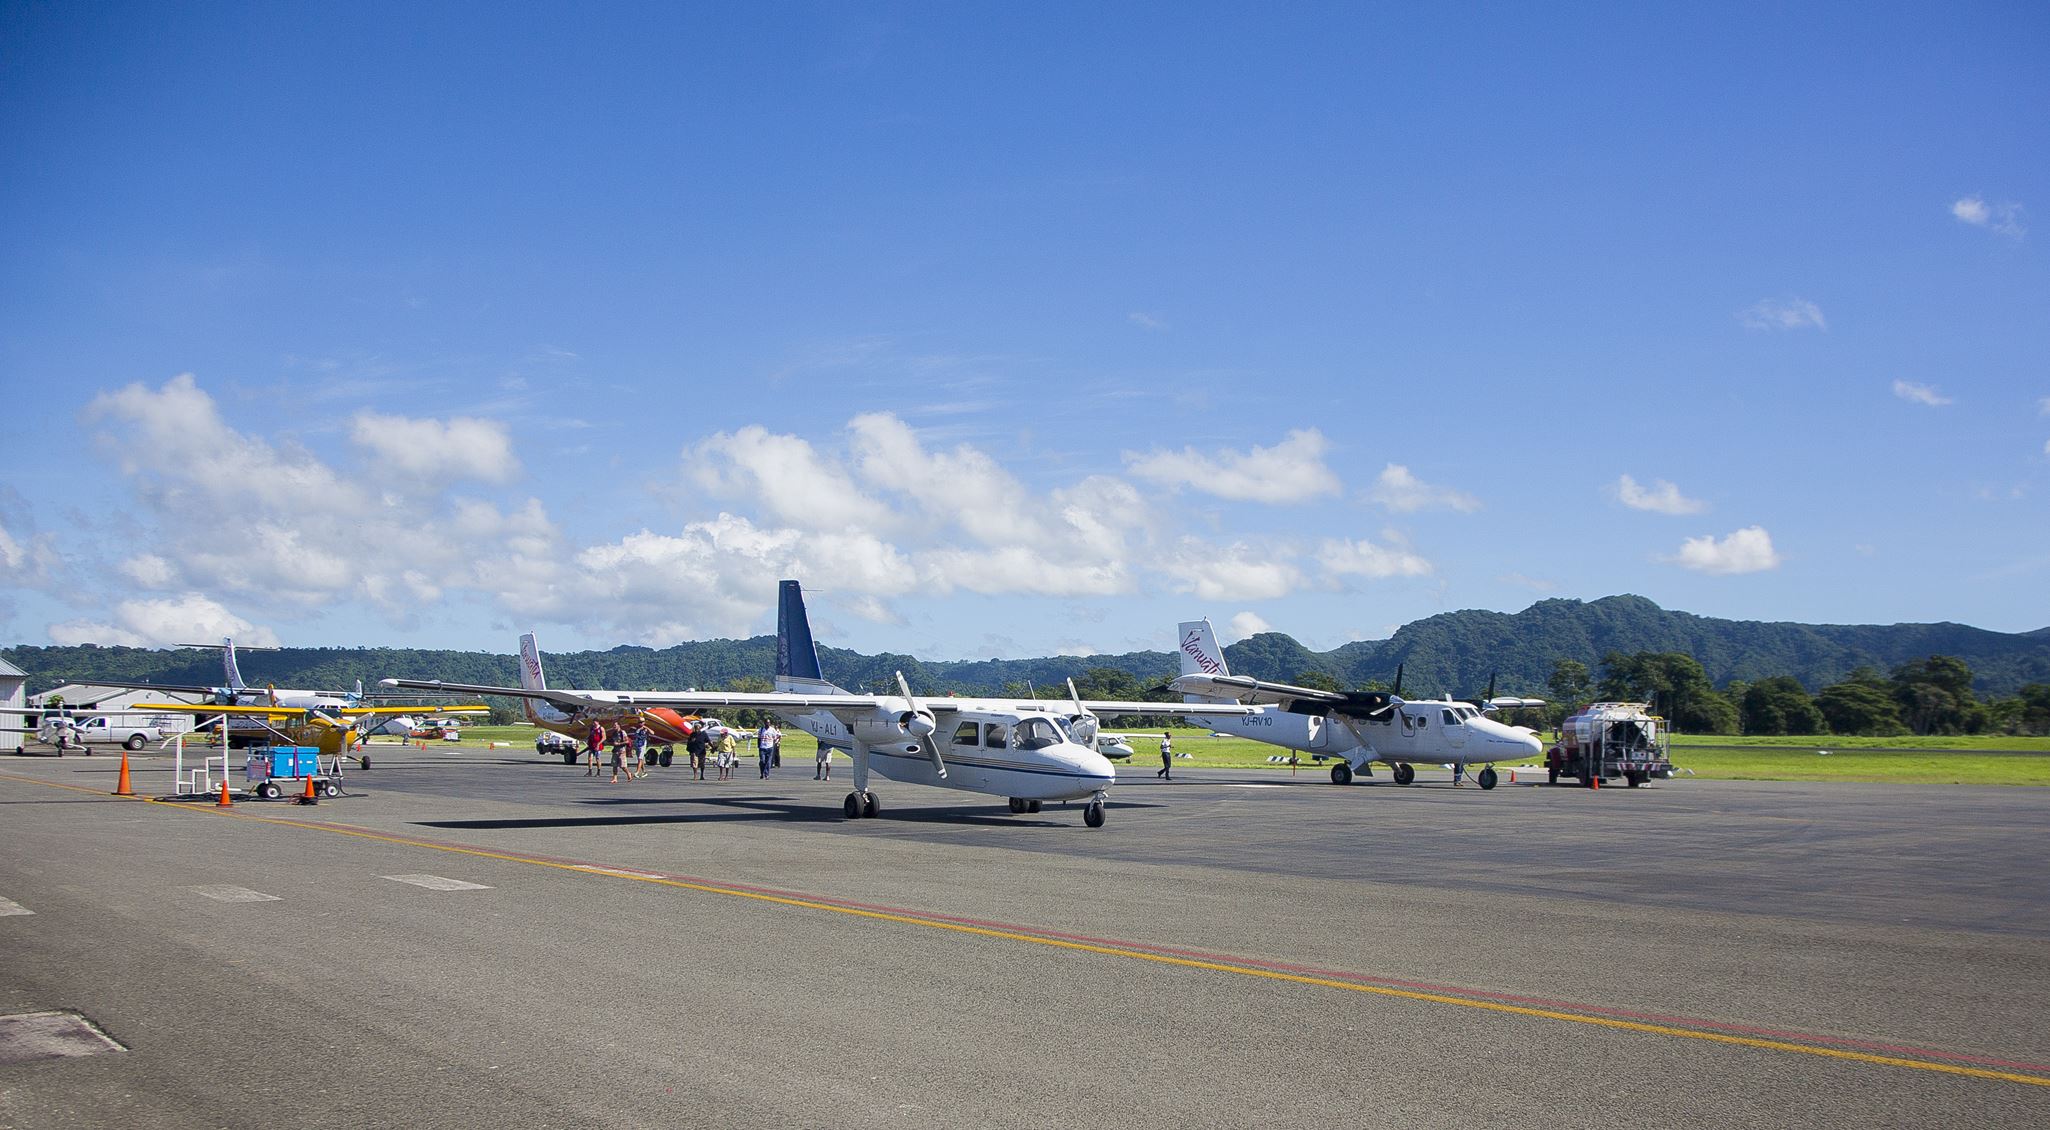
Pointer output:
1037, 733
1450, 718
995, 736
964, 734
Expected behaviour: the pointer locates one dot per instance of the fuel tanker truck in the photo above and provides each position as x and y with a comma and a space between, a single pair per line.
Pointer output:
1610, 740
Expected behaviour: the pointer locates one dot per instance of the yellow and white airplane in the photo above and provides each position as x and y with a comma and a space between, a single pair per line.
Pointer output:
1028, 751
1356, 728
291, 707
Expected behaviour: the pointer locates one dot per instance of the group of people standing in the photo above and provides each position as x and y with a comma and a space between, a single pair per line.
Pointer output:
629, 750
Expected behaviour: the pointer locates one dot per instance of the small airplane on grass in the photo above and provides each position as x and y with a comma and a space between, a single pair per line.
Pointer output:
1028, 751
1357, 728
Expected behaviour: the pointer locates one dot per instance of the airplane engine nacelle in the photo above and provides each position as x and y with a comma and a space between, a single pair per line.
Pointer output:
894, 727
917, 724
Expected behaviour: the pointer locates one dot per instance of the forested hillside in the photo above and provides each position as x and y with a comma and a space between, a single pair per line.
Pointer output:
1455, 651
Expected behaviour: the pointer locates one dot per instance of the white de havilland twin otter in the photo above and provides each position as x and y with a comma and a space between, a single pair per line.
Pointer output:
1356, 728
1028, 751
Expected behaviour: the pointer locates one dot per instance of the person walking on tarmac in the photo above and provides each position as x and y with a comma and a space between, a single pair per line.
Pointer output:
1166, 756
727, 755
594, 748
768, 740
641, 736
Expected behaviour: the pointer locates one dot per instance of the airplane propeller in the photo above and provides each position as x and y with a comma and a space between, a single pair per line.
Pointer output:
1082, 723
918, 722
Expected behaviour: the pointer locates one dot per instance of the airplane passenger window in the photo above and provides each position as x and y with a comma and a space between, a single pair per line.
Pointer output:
965, 734
994, 736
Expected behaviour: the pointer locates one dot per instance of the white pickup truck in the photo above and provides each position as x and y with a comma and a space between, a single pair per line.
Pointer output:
132, 731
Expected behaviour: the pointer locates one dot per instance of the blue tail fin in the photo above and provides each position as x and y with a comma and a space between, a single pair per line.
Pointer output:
797, 657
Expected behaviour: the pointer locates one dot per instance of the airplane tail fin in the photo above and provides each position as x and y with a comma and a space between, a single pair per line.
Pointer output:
1200, 655
797, 657
228, 668
531, 678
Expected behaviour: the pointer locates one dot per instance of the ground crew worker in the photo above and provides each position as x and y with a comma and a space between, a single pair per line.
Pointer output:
1166, 756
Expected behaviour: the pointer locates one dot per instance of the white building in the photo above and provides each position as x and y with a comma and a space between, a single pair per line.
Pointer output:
13, 681
115, 701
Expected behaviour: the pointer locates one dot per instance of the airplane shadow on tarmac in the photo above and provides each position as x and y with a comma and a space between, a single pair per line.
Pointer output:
751, 808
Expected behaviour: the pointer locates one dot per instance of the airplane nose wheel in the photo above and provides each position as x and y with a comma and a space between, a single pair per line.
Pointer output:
1093, 814
1486, 778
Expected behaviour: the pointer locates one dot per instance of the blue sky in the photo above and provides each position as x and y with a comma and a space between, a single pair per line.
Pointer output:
1015, 330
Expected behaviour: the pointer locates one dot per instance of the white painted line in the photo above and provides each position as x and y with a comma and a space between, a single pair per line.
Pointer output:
9, 906
233, 894
437, 883
1238, 785
620, 871
51, 1035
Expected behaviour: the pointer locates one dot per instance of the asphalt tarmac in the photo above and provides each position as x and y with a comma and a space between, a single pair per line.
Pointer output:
494, 937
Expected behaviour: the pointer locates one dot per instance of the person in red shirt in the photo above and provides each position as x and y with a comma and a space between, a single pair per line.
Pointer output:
596, 751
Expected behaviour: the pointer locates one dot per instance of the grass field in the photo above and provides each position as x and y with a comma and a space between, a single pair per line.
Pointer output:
1986, 760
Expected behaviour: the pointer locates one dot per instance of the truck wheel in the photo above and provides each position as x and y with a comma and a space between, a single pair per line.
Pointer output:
133, 743
1634, 777
1551, 776
570, 758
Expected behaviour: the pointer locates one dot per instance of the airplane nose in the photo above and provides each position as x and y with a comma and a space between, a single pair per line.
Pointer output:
1090, 763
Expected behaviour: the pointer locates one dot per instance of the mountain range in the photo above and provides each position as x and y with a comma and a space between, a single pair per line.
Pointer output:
1452, 651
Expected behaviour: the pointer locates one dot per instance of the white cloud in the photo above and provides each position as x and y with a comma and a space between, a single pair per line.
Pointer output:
461, 448
1661, 497
1343, 557
1535, 584
1400, 491
1782, 314
162, 622
1290, 471
1146, 321
1748, 550
786, 476
150, 571
1246, 624
1238, 571
1919, 394
2004, 217
2043, 406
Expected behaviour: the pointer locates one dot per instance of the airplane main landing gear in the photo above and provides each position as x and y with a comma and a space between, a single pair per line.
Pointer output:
1341, 774
1404, 773
1486, 778
1020, 807
859, 805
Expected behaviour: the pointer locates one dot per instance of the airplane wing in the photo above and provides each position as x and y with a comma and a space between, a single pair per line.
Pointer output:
167, 688
1250, 690
416, 708
1178, 709
690, 700
203, 710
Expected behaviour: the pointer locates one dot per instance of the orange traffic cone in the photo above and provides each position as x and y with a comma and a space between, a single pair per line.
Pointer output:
1595, 781
311, 796
224, 802
121, 787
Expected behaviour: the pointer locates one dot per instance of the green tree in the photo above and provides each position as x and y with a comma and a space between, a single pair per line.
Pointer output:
1572, 687
1935, 696
1860, 707
2035, 711
1316, 681
1779, 705
1674, 683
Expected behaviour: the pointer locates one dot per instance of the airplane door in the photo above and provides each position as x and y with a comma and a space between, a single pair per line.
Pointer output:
1320, 733
1454, 731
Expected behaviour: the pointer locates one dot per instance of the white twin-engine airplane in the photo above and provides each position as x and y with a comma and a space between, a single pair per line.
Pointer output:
1357, 728
1027, 751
